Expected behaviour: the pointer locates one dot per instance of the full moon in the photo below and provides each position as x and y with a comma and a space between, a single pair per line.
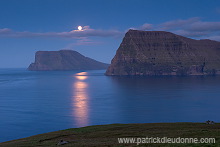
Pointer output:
79, 28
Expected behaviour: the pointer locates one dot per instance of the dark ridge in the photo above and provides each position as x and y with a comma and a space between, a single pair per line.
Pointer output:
64, 60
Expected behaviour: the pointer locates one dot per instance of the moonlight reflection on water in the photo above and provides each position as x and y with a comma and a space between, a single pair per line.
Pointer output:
80, 100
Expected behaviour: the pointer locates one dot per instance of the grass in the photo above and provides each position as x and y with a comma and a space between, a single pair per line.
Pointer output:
106, 135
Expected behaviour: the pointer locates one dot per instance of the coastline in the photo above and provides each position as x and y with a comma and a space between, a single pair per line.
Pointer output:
107, 135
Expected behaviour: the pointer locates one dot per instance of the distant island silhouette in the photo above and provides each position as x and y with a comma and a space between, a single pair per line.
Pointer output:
64, 60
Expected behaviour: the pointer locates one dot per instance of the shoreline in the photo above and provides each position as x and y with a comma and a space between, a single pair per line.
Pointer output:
107, 135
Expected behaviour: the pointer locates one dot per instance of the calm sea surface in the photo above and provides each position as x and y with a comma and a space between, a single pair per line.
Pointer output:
37, 102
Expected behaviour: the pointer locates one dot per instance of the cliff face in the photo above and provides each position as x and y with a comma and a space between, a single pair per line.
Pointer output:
64, 60
164, 53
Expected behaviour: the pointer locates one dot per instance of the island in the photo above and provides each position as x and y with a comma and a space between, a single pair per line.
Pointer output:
164, 53
64, 60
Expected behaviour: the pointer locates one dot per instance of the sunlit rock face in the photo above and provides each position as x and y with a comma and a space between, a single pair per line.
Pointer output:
164, 53
64, 60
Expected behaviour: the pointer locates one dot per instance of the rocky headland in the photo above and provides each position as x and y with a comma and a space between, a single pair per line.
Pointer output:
164, 53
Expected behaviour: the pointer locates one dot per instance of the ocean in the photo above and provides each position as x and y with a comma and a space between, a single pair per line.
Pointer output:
34, 102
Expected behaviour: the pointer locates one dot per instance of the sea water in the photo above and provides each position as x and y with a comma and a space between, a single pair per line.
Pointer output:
34, 102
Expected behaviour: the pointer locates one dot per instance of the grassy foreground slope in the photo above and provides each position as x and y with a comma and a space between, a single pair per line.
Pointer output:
107, 135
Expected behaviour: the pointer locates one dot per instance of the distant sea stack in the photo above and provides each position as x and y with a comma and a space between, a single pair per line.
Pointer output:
164, 53
64, 60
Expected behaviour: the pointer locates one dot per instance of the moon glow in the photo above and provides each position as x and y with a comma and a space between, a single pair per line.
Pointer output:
79, 28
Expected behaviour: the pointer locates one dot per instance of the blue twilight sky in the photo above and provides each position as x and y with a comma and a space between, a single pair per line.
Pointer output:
27, 26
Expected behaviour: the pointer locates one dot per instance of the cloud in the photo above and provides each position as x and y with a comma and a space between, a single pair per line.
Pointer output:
205, 26
190, 33
86, 41
82, 41
85, 32
192, 27
86, 28
217, 38
169, 25
5, 30
146, 26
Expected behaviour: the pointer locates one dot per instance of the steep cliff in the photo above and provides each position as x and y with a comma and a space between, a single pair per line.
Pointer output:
64, 60
164, 53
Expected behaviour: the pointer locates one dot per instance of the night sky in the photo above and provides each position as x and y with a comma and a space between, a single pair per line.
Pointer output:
27, 26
